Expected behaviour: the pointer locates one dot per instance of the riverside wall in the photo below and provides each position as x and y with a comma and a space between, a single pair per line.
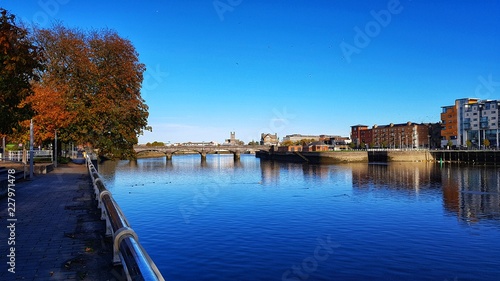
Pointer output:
487, 157
332, 157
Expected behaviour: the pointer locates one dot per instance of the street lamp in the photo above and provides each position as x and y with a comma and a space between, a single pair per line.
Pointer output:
55, 148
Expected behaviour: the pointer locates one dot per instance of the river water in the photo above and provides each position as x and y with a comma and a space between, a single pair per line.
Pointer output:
260, 220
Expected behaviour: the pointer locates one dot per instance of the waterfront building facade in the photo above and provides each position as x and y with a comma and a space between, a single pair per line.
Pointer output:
449, 123
461, 105
481, 123
360, 134
470, 122
404, 135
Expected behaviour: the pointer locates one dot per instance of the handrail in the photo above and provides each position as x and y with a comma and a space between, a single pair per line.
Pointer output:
127, 250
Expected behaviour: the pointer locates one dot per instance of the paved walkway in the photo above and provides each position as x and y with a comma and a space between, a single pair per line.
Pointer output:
58, 233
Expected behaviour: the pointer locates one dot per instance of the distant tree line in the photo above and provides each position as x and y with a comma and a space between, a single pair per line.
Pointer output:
155, 143
84, 84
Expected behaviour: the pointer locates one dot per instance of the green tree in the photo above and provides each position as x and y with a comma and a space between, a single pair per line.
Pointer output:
19, 63
450, 143
155, 143
97, 78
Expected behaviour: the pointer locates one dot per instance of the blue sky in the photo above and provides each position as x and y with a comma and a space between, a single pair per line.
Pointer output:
295, 66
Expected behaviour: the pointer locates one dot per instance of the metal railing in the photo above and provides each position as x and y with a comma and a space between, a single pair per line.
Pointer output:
127, 250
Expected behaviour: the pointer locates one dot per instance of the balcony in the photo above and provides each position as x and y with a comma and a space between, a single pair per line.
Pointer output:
484, 125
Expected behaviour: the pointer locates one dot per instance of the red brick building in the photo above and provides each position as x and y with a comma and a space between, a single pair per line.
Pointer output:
404, 135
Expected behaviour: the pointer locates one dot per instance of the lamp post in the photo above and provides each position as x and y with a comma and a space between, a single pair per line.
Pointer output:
31, 149
55, 149
3, 148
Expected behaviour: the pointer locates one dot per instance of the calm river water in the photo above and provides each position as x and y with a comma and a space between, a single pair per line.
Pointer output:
261, 220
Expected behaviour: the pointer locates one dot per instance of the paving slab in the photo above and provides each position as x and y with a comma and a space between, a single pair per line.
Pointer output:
55, 230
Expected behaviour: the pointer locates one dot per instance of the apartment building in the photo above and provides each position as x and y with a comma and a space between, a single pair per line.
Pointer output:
481, 123
470, 122
449, 123
404, 135
461, 105
360, 134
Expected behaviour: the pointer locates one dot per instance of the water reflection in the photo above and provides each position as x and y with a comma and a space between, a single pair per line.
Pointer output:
270, 172
411, 176
404, 214
473, 193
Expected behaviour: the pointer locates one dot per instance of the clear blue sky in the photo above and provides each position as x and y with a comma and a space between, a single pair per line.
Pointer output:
294, 66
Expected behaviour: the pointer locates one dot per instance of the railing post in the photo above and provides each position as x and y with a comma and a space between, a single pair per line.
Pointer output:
119, 235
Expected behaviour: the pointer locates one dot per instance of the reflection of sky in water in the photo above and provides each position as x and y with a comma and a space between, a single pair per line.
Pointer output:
220, 220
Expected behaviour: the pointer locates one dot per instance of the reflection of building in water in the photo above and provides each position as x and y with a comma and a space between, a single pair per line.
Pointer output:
472, 192
270, 171
397, 175
316, 171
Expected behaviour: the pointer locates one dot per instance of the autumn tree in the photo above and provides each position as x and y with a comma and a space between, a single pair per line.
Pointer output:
19, 62
90, 90
486, 143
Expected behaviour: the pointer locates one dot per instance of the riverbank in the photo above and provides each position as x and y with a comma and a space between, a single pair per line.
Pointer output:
330, 157
488, 157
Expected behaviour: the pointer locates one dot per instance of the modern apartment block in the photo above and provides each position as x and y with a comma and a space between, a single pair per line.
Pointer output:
449, 123
405, 135
471, 121
481, 123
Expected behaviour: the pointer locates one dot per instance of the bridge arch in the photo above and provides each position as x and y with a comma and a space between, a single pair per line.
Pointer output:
169, 151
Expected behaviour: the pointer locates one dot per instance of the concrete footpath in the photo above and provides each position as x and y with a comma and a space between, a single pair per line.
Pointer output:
55, 231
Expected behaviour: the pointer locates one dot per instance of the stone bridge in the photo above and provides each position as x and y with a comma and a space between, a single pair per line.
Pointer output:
203, 150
